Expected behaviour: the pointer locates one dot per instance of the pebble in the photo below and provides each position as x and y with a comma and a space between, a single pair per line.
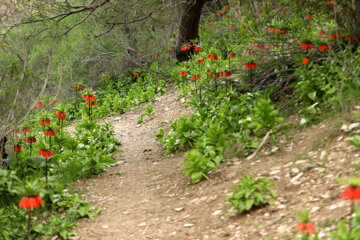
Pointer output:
353, 126
179, 209
187, 225
143, 224
217, 212
295, 170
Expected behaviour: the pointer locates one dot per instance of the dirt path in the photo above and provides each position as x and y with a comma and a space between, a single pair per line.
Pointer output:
146, 196
132, 195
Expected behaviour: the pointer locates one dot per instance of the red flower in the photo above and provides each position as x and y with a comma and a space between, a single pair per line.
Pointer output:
60, 115
52, 102
252, 44
231, 55
307, 45
17, 148
324, 48
307, 227
212, 56
44, 121
351, 193
329, 2
310, 16
284, 31
266, 47
321, 32
182, 73
211, 75
232, 26
14, 131
271, 30
45, 153
200, 27
227, 74
49, 133
25, 130
199, 61
30, 202
136, 74
94, 104
40, 104
198, 76
300, 226
251, 52
217, 75
198, 49
305, 61
185, 48
193, 78
31, 140
250, 65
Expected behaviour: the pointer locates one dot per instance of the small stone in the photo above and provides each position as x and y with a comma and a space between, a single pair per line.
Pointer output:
143, 224
266, 215
173, 233
105, 226
344, 128
275, 172
117, 119
217, 212
332, 207
314, 209
295, 170
187, 225
125, 212
322, 155
299, 162
294, 179
282, 206
179, 209
325, 196
353, 126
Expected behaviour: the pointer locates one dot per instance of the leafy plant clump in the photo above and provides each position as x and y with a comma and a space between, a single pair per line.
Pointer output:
252, 193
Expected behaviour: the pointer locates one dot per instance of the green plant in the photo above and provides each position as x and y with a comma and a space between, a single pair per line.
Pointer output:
250, 193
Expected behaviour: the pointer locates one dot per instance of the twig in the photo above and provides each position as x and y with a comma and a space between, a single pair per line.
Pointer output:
260, 146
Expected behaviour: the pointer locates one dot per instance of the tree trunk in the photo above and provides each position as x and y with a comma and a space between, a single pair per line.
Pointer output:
189, 26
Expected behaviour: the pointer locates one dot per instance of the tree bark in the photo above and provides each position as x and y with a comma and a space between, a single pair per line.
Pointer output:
189, 26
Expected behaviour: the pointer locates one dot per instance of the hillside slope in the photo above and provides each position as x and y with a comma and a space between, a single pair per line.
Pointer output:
146, 196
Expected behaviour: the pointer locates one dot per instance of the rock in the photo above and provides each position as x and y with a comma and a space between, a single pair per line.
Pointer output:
322, 155
217, 212
332, 207
187, 225
117, 119
275, 172
344, 128
314, 209
353, 126
143, 224
294, 179
299, 162
105, 226
179, 209
295, 170
282, 206
173, 233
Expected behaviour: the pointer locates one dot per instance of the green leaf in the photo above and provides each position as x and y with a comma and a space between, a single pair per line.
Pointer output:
196, 177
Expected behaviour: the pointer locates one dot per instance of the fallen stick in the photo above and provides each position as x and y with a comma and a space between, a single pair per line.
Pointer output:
260, 146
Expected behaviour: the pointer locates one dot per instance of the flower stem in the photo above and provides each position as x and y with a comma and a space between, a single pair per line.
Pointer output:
28, 225
352, 206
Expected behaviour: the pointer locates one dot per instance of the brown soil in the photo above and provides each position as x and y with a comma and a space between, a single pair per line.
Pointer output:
146, 196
